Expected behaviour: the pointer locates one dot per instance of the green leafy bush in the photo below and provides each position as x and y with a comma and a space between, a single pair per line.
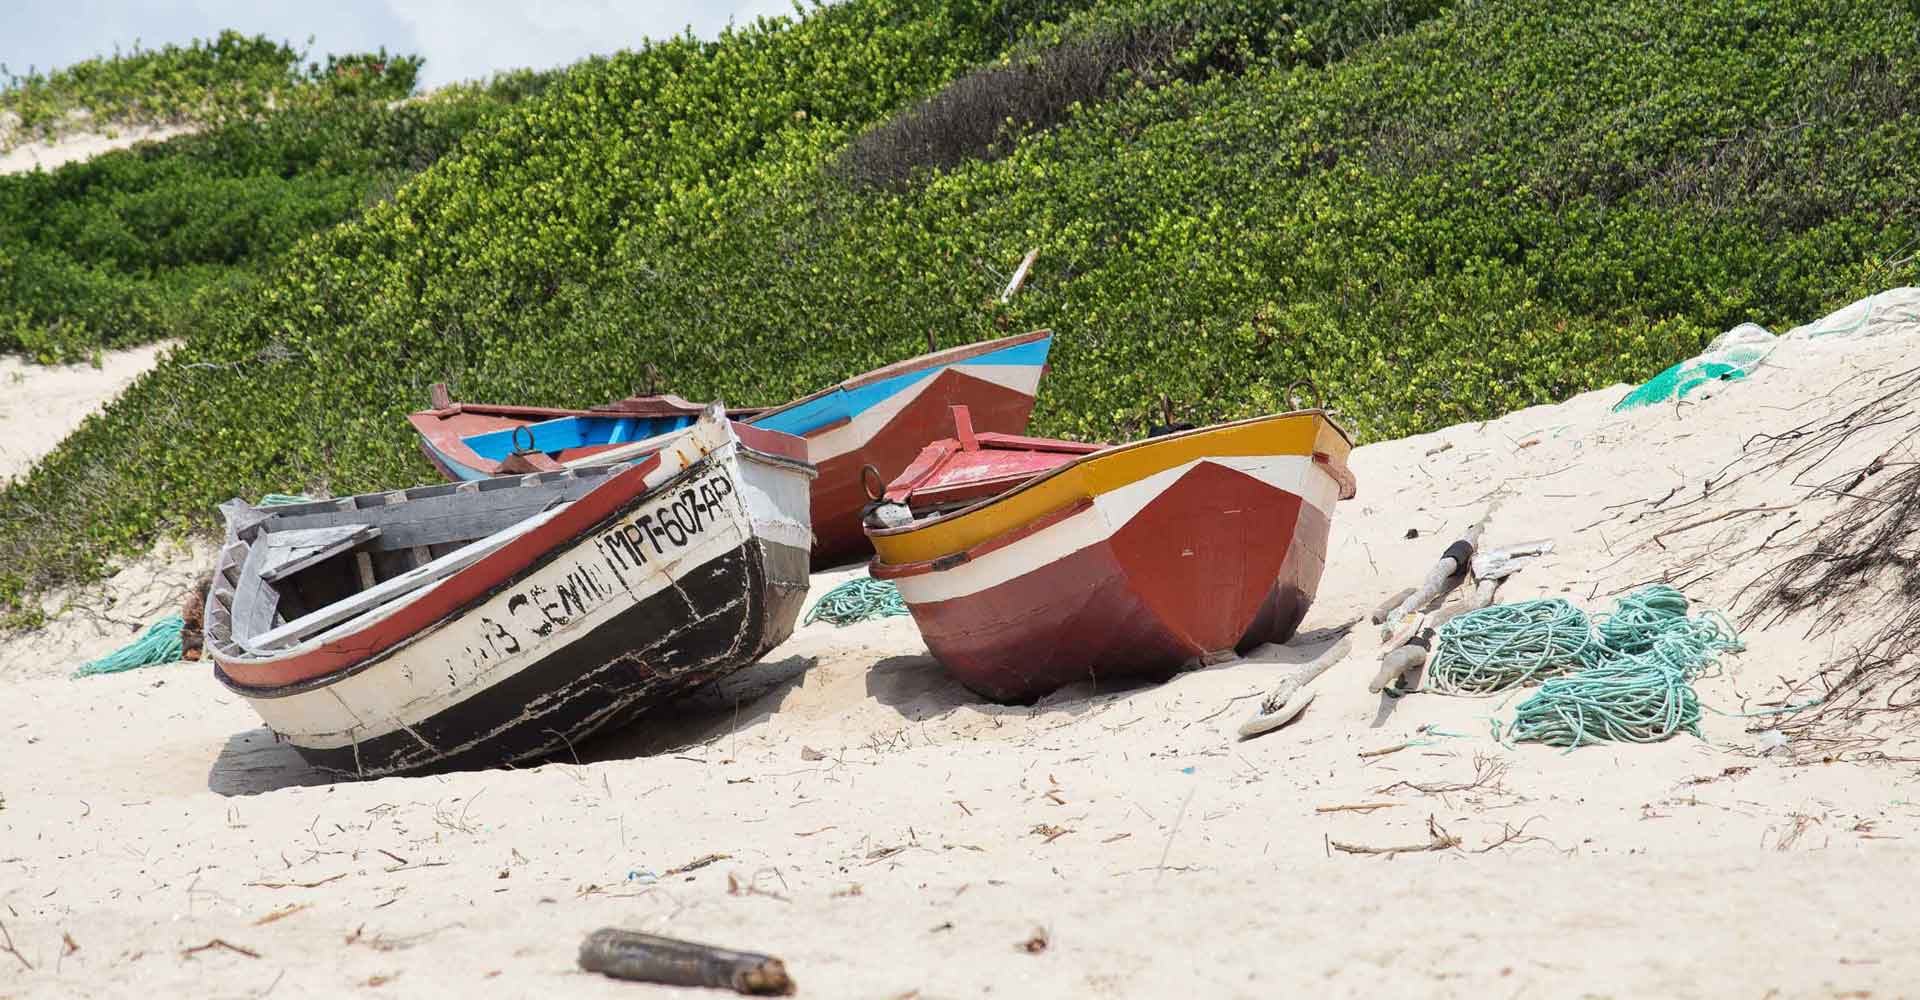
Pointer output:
110, 251
1430, 214
233, 75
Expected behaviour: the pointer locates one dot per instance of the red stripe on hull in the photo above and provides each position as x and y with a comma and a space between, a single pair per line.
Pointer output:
1219, 561
838, 495
453, 593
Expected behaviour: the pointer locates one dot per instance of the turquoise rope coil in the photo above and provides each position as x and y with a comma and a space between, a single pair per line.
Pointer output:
1507, 645
857, 600
160, 644
1627, 676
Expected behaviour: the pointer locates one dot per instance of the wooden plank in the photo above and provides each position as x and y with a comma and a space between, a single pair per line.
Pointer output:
289, 552
390, 590
364, 563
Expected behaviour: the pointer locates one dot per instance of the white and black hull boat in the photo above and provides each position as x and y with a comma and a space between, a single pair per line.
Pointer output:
477, 624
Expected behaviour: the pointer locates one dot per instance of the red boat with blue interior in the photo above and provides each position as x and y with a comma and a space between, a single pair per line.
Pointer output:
880, 419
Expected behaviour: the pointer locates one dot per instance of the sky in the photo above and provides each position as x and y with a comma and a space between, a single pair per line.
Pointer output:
461, 39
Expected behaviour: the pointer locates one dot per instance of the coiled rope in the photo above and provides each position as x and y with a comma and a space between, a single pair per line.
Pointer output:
1486, 651
860, 599
1626, 676
160, 644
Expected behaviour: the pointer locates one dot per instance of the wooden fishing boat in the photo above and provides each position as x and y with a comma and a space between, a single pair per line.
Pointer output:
1030, 564
476, 624
467, 441
880, 419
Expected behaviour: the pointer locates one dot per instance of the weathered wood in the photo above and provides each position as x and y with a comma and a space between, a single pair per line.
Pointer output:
1291, 696
1446, 574
1386, 607
288, 552
451, 517
1405, 657
650, 958
389, 590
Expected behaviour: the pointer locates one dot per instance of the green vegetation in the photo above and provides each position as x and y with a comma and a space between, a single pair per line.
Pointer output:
112, 251
1430, 213
205, 81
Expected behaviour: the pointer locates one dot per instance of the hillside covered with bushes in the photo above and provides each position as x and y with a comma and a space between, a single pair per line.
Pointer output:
1427, 211
108, 252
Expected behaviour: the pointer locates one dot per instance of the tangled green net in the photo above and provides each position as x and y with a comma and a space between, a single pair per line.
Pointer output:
860, 599
1626, 676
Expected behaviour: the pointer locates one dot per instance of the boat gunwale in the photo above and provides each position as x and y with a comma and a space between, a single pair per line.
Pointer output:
1035, 482
943, 357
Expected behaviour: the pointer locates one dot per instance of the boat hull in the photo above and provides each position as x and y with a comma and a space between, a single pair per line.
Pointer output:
698, 575
1177, 560
890, 441
882, 419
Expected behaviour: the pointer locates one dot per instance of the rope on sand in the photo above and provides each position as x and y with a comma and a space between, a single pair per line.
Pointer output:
1626, 676
860, 599
160, 644
1508, 645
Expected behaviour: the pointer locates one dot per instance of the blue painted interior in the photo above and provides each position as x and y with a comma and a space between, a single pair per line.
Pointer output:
557, 435
551, 436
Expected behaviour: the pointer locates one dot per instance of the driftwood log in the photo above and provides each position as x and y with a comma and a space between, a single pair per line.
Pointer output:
650, 958
1446, 574
1489, 569
1379, 616
1292, 695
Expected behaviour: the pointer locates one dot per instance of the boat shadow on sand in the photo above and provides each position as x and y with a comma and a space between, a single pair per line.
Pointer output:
914, 686
254, 761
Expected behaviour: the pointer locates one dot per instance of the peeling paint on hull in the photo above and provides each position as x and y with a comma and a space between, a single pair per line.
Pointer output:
727, 616
642, 589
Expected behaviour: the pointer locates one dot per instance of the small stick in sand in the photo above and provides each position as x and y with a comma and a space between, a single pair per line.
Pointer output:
1438, 839
11, 950
650, 958
219, 943
1365, 807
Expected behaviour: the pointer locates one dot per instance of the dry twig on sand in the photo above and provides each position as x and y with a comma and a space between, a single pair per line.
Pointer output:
219, 943
1487, 772
11, 950
1438, 839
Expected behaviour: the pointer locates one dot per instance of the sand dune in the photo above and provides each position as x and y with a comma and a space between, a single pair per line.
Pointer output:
888, 835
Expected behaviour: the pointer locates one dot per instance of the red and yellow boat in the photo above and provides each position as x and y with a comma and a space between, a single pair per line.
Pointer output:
1031, 563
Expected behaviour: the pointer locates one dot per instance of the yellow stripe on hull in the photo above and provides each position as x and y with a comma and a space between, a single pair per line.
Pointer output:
1303, 433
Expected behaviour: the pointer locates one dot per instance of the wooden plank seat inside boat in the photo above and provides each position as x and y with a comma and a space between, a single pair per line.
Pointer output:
312, 566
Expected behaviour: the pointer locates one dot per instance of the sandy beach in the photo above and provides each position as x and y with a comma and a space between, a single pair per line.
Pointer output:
847, 807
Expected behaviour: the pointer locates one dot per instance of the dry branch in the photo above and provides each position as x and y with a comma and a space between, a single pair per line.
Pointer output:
1438, 839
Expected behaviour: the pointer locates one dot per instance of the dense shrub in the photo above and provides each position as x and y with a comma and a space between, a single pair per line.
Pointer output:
204, 81
1432, 215
108, 252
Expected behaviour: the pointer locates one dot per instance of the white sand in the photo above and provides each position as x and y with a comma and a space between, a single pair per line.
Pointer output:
79, 141
146, 814
41, 404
